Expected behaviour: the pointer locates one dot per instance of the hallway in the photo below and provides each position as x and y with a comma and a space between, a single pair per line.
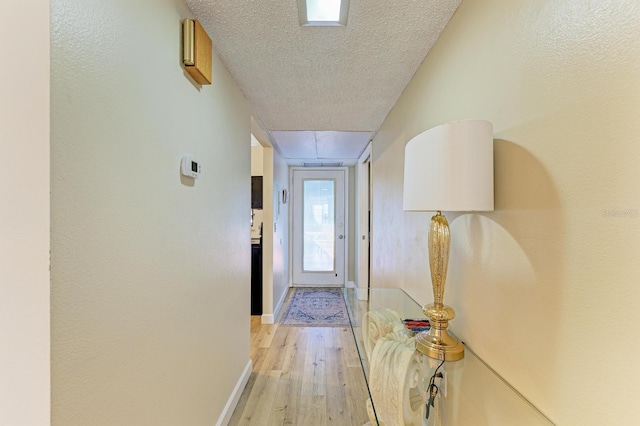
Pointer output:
126, 284
302, 376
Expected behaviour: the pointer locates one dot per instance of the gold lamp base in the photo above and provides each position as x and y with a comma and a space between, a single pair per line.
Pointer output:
437, 342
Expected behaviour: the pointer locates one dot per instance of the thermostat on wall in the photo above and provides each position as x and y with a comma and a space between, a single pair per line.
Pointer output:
190, 167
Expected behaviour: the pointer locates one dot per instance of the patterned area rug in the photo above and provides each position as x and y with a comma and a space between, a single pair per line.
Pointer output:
317, 307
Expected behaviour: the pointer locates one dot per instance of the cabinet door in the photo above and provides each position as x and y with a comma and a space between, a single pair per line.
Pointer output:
256, 192
256, 279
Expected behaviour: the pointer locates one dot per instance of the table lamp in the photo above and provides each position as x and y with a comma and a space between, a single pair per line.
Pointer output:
447, 168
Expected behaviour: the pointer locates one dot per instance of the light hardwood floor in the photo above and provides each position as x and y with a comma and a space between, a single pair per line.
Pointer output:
308, 376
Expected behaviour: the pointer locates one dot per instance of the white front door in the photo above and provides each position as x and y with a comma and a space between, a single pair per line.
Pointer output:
319, 229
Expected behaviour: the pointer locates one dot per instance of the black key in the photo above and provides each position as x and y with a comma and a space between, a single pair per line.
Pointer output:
432, 399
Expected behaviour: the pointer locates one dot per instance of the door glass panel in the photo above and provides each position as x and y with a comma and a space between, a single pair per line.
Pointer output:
319, 225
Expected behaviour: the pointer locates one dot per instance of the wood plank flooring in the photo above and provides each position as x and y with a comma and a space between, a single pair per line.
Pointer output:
307, 376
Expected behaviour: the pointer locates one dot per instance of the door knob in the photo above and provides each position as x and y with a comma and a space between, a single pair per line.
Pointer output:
341, 236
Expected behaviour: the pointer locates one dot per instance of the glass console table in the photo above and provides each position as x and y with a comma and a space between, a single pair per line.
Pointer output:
470, 392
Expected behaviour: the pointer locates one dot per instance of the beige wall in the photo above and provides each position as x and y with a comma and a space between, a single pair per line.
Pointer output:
24, 213
267, 162
546, 287
150, 271
256, 160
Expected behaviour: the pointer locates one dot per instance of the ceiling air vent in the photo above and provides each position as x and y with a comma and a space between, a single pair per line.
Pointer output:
322, 164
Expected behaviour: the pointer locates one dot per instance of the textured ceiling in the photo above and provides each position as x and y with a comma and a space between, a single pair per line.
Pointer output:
322, 78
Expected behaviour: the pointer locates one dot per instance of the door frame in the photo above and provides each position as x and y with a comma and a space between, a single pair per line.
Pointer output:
346, 221
363, 231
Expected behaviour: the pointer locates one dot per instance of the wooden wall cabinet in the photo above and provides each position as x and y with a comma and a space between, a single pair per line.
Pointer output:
196, 51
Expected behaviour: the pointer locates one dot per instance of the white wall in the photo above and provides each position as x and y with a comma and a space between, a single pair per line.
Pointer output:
268, 216
150, 271
281, 234
351, 220
546, 287
24, 213
361, 225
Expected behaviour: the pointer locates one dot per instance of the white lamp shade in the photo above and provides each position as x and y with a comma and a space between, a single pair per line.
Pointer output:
450, 168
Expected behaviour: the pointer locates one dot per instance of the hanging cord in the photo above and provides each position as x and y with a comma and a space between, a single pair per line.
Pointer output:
432, 390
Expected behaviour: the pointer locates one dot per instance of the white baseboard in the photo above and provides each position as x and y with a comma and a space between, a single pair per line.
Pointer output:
227, 412
276, 311
363, 294
271, 318
318, 286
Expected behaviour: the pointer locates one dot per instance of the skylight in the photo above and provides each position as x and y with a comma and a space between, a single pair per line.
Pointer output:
327, 10
323, 12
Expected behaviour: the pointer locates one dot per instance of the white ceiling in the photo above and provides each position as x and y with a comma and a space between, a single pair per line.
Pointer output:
302, 81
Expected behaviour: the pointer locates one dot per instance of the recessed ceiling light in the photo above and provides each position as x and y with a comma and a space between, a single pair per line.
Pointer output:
323, 13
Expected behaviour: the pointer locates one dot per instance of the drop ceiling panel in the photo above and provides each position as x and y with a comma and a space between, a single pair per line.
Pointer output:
296, 144
341, 144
